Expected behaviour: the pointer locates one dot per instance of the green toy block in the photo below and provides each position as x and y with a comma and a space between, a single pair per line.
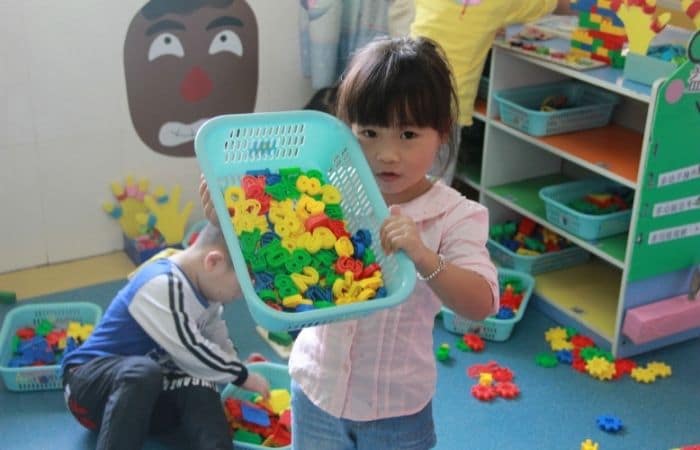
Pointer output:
282, 338
7, 297
247, 436
323, 304
44, 327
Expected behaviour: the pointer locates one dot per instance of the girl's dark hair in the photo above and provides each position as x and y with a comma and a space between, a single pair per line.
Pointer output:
399, 82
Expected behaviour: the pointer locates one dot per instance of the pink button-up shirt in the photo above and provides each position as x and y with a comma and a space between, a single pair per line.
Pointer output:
383, 365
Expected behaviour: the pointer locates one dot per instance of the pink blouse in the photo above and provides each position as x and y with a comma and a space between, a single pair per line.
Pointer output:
383, 365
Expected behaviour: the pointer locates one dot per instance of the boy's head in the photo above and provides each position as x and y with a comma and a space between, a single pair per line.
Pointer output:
216, 278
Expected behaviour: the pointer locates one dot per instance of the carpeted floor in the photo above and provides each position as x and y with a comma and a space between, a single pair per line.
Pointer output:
556, 411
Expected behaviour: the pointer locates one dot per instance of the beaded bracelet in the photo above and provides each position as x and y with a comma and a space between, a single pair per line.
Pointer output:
441, 266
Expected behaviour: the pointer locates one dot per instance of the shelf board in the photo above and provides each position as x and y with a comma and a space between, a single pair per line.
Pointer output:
611, 151
523, 197
588, 292
606, 77
469, 174
480, 109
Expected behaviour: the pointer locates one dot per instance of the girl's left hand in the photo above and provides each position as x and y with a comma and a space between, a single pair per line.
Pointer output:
401, 233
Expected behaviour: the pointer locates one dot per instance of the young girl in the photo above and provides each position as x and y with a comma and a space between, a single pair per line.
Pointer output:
367, 384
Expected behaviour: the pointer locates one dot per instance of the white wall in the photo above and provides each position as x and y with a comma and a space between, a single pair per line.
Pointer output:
65, 129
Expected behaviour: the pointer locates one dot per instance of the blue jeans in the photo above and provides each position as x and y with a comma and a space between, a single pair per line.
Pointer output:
313, 428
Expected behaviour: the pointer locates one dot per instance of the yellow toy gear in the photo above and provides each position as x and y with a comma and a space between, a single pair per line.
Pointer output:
660, 369
589, 445
560, 344
555, 333
600, 368
643, 375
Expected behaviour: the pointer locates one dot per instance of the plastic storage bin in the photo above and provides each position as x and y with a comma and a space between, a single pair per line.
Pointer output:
39, 378
229, 146
492, 328
585, 226
278, 377
546, 262
591, 107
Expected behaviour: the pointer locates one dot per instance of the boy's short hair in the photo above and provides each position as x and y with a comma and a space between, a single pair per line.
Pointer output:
212, 236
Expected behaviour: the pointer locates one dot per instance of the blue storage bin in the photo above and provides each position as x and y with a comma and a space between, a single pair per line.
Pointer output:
229, 146
492, 328
585, 226
275, 374
546, 262
39, 378
591, 107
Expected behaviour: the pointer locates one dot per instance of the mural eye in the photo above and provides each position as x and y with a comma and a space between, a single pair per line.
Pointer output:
165, 44
226, 41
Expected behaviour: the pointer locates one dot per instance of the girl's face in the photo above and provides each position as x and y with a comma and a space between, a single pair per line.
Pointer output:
400, 158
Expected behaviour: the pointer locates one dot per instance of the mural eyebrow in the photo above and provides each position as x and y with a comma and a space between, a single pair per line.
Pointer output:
224, 21
164, 25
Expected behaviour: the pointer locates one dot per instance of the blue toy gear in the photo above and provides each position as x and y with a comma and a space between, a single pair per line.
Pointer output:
609, 423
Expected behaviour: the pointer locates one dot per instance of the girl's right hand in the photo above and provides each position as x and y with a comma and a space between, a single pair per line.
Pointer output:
257, 383
207, 204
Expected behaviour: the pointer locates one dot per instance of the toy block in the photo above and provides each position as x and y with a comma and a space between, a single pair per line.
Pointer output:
661, 318
581, 35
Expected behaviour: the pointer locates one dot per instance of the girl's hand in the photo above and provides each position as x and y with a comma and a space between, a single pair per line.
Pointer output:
257, 383
207, 204
401, 233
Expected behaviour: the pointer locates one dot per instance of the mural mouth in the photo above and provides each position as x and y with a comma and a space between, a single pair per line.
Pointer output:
172, 134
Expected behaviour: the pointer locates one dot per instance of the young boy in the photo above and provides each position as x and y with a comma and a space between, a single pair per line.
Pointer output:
154, 361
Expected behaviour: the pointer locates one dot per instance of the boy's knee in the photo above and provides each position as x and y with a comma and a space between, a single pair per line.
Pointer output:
142, 370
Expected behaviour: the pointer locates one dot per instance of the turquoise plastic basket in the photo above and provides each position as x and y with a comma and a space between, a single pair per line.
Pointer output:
546, 262
585, 226
591, 107
491, 328
278, 377
229, 146
39, 378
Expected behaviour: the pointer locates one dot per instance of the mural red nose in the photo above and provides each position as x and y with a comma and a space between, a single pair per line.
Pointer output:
196, 86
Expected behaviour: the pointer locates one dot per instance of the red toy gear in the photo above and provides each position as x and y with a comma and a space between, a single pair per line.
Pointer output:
483, 392
474, 342
507, 390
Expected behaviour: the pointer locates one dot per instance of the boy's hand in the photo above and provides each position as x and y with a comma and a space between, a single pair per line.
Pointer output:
257, 383
207, 204
401, 233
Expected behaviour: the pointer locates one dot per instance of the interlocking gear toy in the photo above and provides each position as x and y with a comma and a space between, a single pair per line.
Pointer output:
609, 423
660, 369
643, 375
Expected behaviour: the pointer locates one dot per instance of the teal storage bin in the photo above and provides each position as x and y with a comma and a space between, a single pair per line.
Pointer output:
585, 226
39, 378
546, 262
278, 377
229, 146
646, 69
492, 328
589, 107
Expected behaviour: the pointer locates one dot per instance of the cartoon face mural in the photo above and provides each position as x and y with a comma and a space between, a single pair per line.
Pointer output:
186, 61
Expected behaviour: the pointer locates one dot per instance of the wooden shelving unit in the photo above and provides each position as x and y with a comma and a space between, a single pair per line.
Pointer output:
594, 296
